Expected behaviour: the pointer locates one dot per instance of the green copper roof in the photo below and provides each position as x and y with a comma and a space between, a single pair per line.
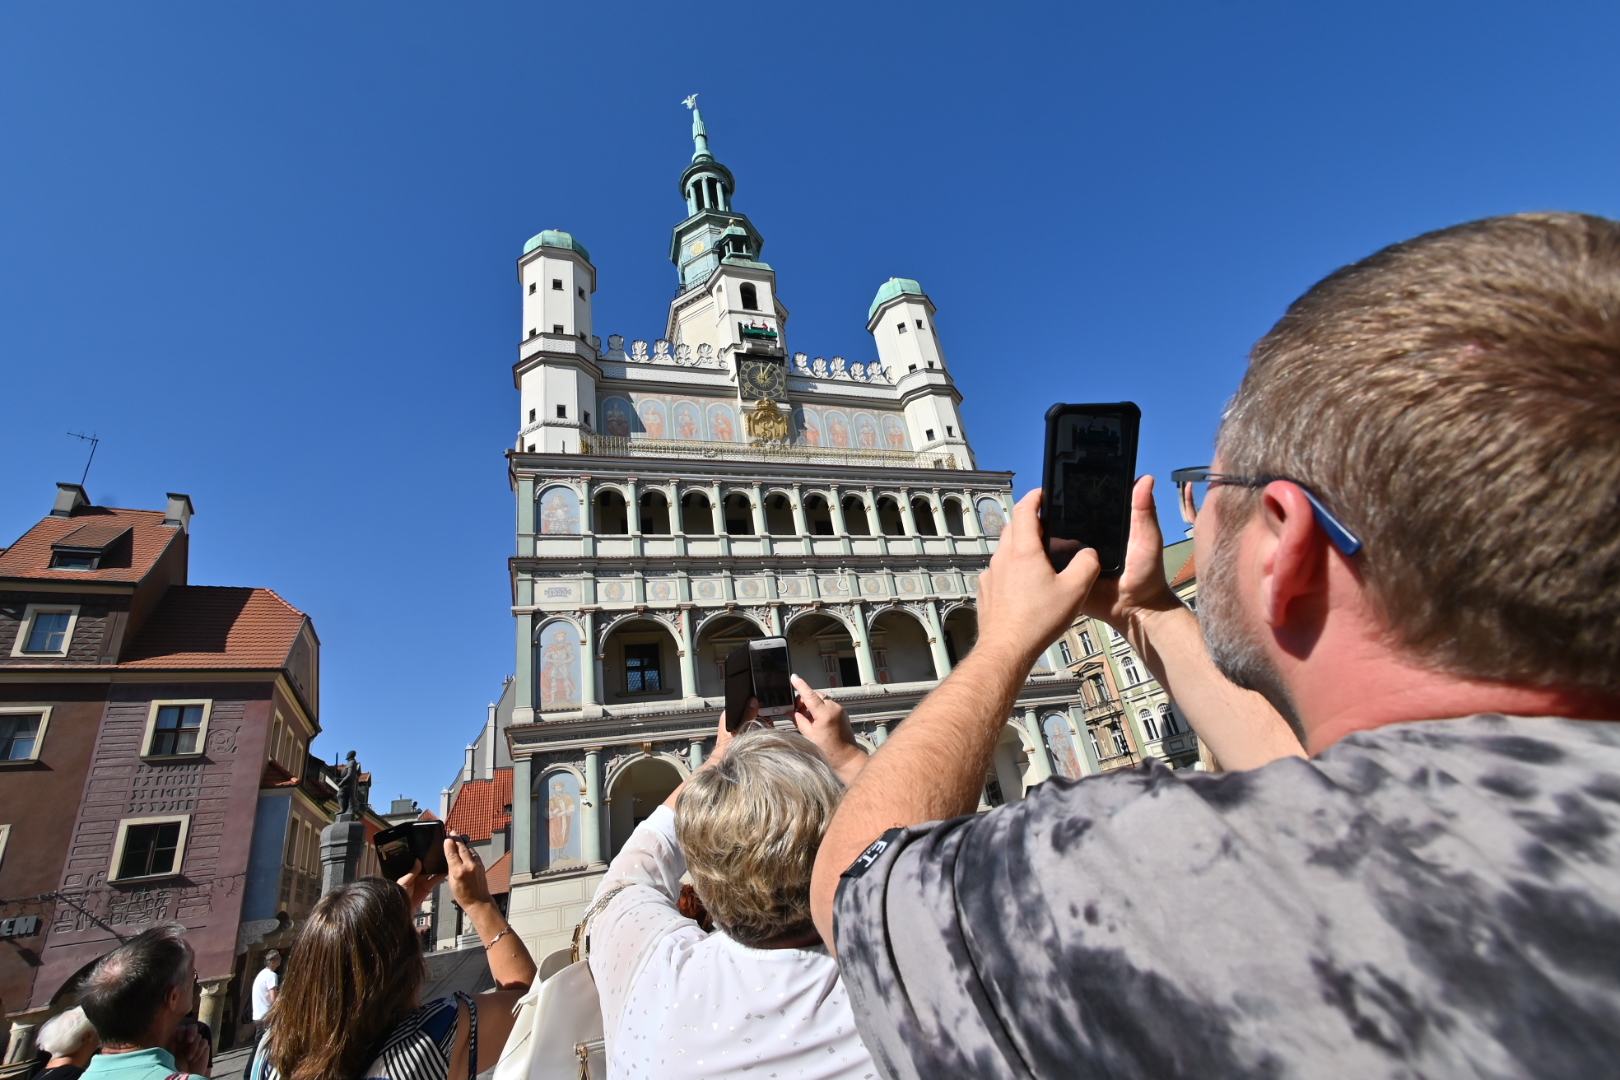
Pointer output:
558, 239
895, 286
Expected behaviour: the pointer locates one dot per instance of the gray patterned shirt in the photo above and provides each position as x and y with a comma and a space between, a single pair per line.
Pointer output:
1434, 899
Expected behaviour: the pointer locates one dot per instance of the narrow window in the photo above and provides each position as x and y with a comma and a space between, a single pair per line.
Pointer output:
929, 434
581, 292
1131, 676
562, 412
913, 367
532, 286
1167, 720
1063, 651
930, 363
587, 419
1149, 728
919, 324
900, 327
19, 737
556, 328
950, 432
749, 295
556, 284
641, 669
177, 729
149, 850
531, 448
49, 632
534, 331
1086, 647
531, 416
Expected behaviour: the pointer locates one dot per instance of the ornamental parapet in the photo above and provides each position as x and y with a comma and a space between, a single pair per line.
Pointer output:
625, 446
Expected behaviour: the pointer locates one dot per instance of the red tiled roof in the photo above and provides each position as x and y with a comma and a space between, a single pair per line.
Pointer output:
1188, 572
499, 876
210, 626
30, 556
482, 806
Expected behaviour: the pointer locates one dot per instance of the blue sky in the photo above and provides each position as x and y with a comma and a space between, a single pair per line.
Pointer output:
266, 251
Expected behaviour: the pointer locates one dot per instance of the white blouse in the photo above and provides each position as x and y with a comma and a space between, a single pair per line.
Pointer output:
679, 1003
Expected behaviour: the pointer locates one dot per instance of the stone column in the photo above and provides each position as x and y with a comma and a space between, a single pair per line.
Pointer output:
632, 505
695, 754
936, 641
863, 647
593, 799
758, 498
908, 520
341, 845
589, 693
1088, 760
1040, 761
970, 515
523, 814
800, 526
21, 1049
880, 733
211, 1009
525, 516
689, 678
835, 507
874, 523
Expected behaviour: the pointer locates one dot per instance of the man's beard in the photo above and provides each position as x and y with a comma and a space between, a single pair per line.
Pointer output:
1233, 644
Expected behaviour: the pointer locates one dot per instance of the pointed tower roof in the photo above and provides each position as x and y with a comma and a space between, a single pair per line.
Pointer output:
713, 232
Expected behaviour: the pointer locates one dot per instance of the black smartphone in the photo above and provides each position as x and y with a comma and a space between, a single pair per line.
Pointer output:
395, 852
427, 838
1087, 480
739, 686
769, 659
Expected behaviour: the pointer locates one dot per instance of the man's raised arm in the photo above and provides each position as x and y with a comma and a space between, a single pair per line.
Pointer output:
934, 764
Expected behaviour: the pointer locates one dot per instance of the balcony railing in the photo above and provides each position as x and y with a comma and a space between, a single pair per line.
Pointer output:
621, 446
1104, 709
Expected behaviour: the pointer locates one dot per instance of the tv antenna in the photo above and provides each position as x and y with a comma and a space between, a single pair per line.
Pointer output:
94, 441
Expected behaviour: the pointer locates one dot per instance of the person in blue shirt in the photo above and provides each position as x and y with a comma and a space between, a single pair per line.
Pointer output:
136, 997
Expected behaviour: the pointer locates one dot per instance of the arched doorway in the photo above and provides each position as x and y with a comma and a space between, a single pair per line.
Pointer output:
818, 516
889, 520
822, 652
714, 643
855, 516
640, 662
923, 514
739, 514
635, 793
961, 632
697, 518
779, 515
654, 513
900, 650
609, 515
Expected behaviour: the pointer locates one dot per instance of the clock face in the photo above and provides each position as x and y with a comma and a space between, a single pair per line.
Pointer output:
762, 379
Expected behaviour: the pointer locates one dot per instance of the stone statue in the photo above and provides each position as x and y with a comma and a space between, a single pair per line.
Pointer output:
350, 798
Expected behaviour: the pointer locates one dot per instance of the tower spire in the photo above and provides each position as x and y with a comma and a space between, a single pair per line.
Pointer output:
700, 133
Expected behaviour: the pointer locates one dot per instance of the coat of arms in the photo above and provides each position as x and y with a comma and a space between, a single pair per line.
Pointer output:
767, 423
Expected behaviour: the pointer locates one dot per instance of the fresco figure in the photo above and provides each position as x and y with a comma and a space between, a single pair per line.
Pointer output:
559, 666
991, 519
1064, 755
652, 418
893, 433
865, 432
559, 512
616, 417
562, 796
837, 429
721, 424
686, 421
809, 427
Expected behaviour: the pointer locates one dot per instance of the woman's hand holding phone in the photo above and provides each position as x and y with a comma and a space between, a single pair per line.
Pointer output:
468, 883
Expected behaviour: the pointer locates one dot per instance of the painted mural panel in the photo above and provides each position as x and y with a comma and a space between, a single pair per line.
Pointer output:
1060, 740
561, 843
658, 416
806, 427
837, 425
688, 416
894, 432
654, 417
991, 518
617, 417
722, 423
661, 589
866, 431
558, 665
558, 512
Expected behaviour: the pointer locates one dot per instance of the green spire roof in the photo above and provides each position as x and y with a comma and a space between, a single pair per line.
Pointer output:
555, 238
895, 286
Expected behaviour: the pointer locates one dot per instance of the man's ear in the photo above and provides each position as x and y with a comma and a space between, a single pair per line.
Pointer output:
1293, 567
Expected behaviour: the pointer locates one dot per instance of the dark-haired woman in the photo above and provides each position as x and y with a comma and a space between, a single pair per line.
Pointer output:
348, 1006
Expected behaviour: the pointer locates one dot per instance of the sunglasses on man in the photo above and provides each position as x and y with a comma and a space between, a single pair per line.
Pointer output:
1190, 485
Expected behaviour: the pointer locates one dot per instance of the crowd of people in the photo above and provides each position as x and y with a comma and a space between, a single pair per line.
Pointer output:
1406, 656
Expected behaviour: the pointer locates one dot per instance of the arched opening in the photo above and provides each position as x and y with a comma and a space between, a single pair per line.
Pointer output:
961, 632
923, 513
640, 662
855, 516
1167, 720
818, 515
953, 518
558, 680
654, 513
559, 822
697, 518
900, 650
749, 296
715, 642
888, 512
822, 652
610, 516
635, 793
779, 515
1005, 783
739, 514
1150, 729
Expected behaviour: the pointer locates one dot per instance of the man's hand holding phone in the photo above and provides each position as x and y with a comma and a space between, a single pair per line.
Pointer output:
1141, 589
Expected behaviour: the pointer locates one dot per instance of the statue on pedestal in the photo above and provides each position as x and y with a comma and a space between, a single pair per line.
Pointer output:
351, 800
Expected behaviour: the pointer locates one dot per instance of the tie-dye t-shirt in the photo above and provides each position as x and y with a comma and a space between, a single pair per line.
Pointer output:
1435, 899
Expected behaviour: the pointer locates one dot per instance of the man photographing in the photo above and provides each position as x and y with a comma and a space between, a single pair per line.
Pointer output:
1410, 546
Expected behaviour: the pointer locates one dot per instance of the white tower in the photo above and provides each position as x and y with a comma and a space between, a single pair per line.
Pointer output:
556, 370
901, 322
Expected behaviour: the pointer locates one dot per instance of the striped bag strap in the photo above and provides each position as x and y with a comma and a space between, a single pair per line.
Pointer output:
472, 1035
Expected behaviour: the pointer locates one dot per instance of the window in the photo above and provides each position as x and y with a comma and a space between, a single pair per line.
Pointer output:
1121, 747
176, 728
1131, 676
531, 448
47, 630
1167, 719
929, 434
749, 296
556, 284
950, 431
642, 674
919, 324
1065, 652
1086, 647
913, 367
562, 412
21, 733
533, 332
556, 328
900, 327
532, 286
1149, 728
72, 560
5, 835
587, 419
930, 363
531, 416
582, 292
149, 847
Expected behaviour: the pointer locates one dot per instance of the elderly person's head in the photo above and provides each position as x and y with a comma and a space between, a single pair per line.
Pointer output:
69, 1038
750, 827
138, 993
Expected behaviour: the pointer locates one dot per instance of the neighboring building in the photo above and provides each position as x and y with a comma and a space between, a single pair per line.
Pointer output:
677, 500
153, 754
1128, 714
478, 804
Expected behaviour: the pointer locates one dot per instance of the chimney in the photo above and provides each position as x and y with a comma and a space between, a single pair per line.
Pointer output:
444, 804
490, 735
69, 497
179, 512
467, 771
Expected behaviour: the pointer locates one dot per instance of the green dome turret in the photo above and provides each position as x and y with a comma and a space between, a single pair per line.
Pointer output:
895, 286
556, 238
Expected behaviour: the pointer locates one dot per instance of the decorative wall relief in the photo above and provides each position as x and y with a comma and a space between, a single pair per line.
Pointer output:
707, 588
751, 588
660, 589
791, 586
615, 591
943, 583
991, 518
908, 584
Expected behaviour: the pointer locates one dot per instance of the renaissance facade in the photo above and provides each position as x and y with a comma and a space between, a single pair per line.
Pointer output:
678, 499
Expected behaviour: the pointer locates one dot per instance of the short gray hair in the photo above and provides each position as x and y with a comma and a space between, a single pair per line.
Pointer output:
750, 828
65, 1032
128, 987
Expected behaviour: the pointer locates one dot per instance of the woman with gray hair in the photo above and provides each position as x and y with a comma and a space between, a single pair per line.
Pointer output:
71, 1041
761, 994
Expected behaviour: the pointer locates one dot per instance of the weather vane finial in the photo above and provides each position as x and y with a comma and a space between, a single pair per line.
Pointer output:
700, 134
690, 101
